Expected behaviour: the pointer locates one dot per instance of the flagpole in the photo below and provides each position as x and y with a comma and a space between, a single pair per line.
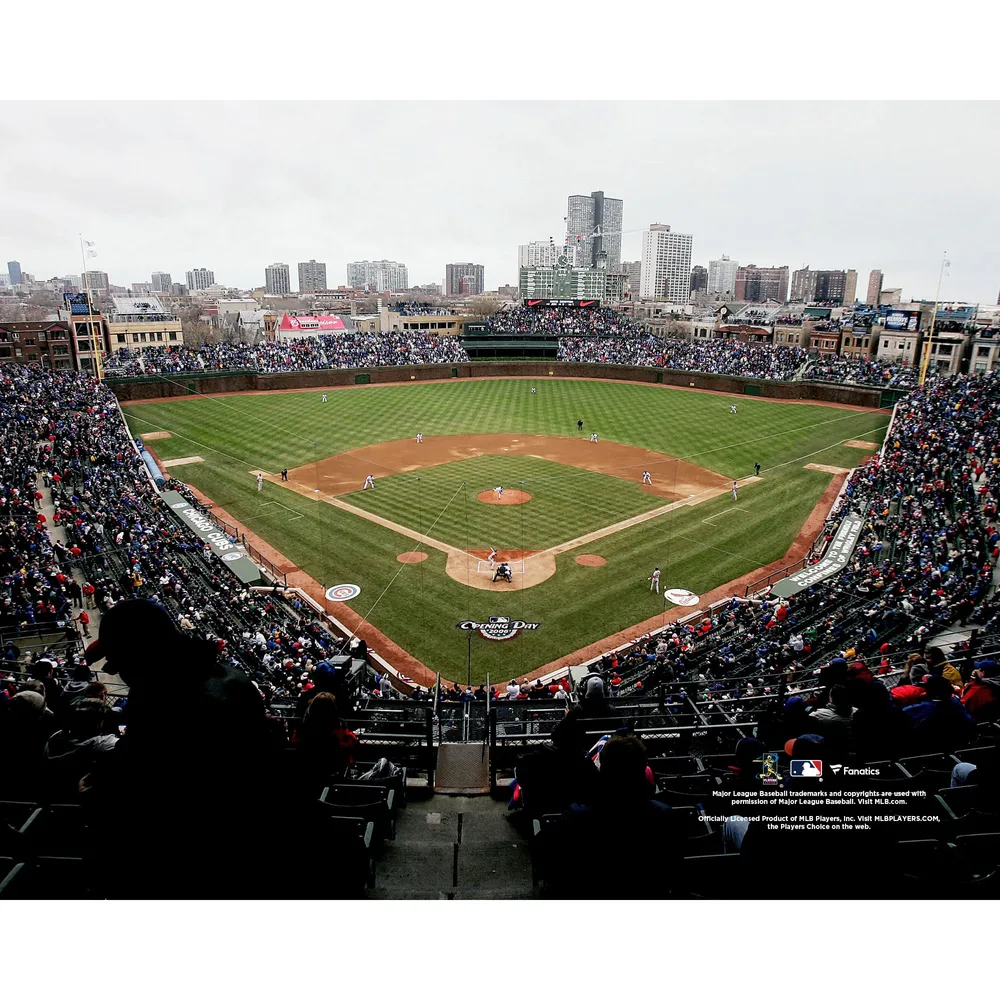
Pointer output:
930, 338
98, 354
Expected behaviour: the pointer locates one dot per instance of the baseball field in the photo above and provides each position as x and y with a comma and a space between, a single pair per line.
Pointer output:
575, 522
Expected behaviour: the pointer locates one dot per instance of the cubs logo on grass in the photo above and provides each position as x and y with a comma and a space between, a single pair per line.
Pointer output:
682, 597
499, 627
343, 592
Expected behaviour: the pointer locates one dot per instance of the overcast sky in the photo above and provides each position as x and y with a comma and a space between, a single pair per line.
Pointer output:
233, 187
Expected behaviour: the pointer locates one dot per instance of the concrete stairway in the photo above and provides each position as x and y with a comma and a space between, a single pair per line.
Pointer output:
455, 847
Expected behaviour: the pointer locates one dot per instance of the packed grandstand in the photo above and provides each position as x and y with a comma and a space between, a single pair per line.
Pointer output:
598, 335
260, 736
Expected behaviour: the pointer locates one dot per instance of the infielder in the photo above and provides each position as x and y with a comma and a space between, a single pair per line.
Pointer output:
260, 481
369, 481
735, 488
420, 438
323, 400
654, 580
647, 479
732, 409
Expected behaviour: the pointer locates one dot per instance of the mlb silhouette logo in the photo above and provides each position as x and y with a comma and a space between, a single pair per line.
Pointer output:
806, 769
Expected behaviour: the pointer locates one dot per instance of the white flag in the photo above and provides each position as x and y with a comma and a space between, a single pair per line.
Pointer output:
89, 243
91, 253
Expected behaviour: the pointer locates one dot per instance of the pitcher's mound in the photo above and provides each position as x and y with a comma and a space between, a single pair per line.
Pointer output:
507, 497
590, 560
411, 557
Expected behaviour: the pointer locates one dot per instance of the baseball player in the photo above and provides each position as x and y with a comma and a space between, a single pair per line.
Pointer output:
732, 409
369, 481
260, 481
420, 438
323, 400
579, 425
756, 468
647, 479
654, 580
735, 488
492, 557
532, 390
498, 490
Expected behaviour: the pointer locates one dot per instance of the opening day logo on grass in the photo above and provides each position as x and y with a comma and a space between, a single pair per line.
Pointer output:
499, 627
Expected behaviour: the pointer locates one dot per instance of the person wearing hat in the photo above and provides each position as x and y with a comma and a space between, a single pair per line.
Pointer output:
981, 696
177, 803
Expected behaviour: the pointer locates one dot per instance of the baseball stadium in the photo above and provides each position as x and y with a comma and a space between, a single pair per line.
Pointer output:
469, 617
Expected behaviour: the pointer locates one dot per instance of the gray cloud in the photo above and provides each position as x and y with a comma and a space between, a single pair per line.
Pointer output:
171, 186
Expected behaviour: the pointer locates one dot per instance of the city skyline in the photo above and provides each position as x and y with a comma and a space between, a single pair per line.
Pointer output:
232, 220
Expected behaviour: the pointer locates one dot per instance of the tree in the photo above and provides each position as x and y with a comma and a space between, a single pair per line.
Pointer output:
483, 307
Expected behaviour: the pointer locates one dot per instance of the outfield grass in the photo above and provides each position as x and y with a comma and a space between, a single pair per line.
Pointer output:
418, 605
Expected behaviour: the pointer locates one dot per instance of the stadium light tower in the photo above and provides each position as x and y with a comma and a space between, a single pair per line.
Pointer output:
945, 264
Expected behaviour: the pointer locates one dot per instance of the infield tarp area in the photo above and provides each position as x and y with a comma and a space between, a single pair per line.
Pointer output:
234, 556
837, 555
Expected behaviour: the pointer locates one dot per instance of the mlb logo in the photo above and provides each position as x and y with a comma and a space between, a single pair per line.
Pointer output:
806, 769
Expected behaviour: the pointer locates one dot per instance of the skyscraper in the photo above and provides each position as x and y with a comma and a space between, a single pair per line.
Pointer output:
277, 279
14, 272
312, 276
97, 281
722, 277
699, 278
454, 273
850, 287
378, 275
666, 265
199, 279
758, 284
633, 268
162, 282
874, 288
587, 215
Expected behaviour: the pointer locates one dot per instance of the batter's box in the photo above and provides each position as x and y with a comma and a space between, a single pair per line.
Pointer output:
483, 566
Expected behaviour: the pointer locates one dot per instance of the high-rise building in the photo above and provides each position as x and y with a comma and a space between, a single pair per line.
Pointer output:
277, 279
890, 296
699, 278
97, 281
14, 272
378, 275
633, 268
850, 287
593, 224
140, 288
199, 279
834, 287
454, 273
161, 281
312, 276
545, 254
666, 265
759, 284
722, 277
874, 288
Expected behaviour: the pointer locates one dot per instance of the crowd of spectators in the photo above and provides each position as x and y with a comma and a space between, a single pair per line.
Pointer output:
348, 350
563, 321
719, 357
863, 371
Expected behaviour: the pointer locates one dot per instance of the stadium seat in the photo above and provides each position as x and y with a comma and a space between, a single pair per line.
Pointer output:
369, 802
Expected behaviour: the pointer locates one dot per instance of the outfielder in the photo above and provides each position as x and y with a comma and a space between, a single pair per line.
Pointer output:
647, 479
369, 481
323, 400
732, 409
654, 580
260, 481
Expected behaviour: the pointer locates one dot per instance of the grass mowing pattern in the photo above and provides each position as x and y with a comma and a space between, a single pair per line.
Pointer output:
565, 502
579, 604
